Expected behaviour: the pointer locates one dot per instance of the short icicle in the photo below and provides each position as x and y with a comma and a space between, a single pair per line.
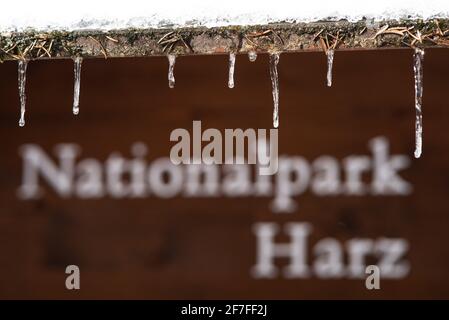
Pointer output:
22, 75
330, 62
76, 89
274, 60
252, 56
171, 67
418, 58
231, 70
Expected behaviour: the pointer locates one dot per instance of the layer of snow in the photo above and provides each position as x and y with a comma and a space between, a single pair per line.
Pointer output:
120, 14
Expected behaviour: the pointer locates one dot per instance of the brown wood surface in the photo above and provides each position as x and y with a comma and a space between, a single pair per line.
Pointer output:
204, 247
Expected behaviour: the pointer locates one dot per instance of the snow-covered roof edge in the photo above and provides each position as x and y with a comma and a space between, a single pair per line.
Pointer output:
49, 29
284, 37
57, 15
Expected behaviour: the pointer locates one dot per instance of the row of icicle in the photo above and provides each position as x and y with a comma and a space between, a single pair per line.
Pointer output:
274, 60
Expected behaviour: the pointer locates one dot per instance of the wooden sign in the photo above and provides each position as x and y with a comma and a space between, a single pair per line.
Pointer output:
98, 191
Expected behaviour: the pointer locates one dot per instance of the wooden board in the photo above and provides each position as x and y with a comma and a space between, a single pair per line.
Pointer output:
205, 247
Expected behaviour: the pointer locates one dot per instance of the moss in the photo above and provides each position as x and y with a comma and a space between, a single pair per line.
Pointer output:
131, 37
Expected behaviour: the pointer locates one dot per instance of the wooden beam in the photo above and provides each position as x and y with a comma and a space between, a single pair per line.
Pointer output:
282, 37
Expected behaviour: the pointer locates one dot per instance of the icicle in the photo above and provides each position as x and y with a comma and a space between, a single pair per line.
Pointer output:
252, 56
22, 73
171, 66
418, 58
330, 62
274, 60
231, 70
76, 89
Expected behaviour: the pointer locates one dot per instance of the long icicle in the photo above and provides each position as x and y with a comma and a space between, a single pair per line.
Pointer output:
76, 87
418, 58
330, 62
171, 67
274, 60
22, 77
231, 70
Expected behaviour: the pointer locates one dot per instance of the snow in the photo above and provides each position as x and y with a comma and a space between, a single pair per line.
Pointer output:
48, 15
